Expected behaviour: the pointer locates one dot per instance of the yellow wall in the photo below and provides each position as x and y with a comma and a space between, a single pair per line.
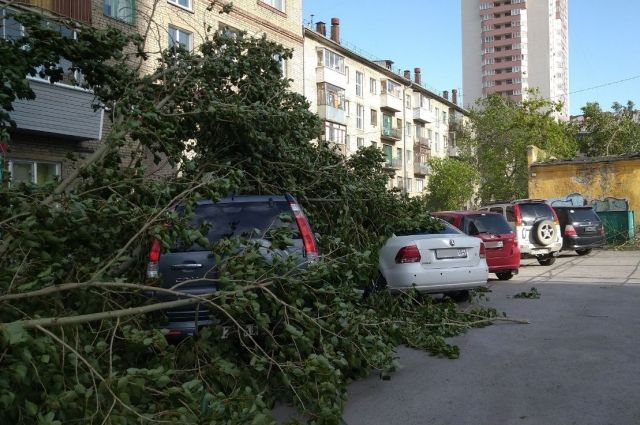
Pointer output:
594, 180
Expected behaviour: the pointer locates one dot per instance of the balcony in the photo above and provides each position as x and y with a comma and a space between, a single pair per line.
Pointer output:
455, 124
340, 147
453, 151
421, 114
332, 76
421, 143
392, 163
329, 113
394, 134
421, 169
60, 110
79, 10
390, 102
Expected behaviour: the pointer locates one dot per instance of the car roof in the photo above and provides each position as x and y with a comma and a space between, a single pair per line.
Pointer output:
518, 201
237, 199
467, 212
566, 207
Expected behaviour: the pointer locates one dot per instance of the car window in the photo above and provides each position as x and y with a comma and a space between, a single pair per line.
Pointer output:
583, 214
510, 215
447, 229
496, 210
239, 219
535, 211
488, 223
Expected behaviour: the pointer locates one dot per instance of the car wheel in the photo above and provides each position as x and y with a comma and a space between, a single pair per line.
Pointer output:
544, 232
505, 275
377, 284
546, 260
583, 251
459, 296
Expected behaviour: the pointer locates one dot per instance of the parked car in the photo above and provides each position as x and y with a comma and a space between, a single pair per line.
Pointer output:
582, 229
503, 253
536, 227
193, 267
435, 261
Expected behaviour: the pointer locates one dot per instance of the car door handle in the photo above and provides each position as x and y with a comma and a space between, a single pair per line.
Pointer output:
186, 266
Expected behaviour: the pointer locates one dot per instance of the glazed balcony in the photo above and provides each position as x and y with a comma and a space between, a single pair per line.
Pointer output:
421, 169
392, 163
329, 113
79, 10
421, 143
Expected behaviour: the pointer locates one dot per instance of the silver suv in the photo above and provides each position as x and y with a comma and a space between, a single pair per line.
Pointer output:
536, 227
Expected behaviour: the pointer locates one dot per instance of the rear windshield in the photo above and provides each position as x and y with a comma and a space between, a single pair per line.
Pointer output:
244, 219
447, 229
487, 223
534, 211
582, 214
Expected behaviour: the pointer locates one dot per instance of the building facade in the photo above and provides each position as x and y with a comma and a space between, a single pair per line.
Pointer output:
366, 103
510, 46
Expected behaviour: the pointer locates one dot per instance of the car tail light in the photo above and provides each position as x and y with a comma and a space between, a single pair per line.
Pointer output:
555, 216
154, 258
569, 230
601, 231
408, 254
483, 251
309, 242
516, 212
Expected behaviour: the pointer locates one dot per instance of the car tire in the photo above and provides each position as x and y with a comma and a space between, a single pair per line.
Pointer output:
544, 232
459, 296
505, 275
546, 260
583, 251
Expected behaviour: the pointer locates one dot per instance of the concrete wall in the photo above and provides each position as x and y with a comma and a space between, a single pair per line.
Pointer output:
594, 179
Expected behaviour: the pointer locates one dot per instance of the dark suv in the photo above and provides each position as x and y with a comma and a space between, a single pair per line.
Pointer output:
582, 229
193, 267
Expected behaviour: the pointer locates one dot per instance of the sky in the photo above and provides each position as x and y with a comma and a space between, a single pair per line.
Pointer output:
604, 46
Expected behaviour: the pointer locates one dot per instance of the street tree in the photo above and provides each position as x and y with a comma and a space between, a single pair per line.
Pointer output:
76, 333
496, 140
452, 183
614, 132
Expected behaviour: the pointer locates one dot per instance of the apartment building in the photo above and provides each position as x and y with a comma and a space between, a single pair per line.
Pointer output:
62, 120
366, 103
510, 46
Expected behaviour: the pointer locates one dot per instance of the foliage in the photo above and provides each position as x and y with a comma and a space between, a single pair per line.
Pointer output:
498, 136
532, 294
451, 184
615, 132
77, 332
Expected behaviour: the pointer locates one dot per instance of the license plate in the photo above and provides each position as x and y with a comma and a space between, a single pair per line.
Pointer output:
451, 253
494, 244
590, 229
248, 330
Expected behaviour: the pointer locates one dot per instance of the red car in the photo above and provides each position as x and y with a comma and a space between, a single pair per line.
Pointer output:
503, 253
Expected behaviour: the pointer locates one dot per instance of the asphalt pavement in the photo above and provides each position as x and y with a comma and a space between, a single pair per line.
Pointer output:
577, 362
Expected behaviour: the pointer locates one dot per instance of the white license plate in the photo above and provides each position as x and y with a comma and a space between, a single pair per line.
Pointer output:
590, 229
451, 253
494, 244
248, 330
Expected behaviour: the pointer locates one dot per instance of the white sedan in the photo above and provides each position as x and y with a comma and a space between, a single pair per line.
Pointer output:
435, 261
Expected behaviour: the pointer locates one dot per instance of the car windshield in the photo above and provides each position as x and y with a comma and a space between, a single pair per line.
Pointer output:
583, 214
245, 219
446, 229
534, 211
488, 223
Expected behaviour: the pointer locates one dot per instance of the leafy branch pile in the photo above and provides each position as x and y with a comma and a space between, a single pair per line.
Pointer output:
78, 342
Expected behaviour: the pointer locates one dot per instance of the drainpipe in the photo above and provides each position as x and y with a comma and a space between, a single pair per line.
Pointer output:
404, 140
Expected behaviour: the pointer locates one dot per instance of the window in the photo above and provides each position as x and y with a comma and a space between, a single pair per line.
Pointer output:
444, 117
391, 87
419, 185
515, 11
10, 29
437, 141
409, 185
331, 60
182, 3
180, 38
408, 156
359, 81
229, 31
399, 182
331, 95
373, 86
347, 108
346, 72
335, 133
122, 10
359, 116
276, 4
374, 118
33, 171
437, 115
407, 102
407, 129
445, 141
359, 142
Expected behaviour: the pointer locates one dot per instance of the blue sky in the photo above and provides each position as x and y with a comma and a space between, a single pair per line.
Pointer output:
604, 46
